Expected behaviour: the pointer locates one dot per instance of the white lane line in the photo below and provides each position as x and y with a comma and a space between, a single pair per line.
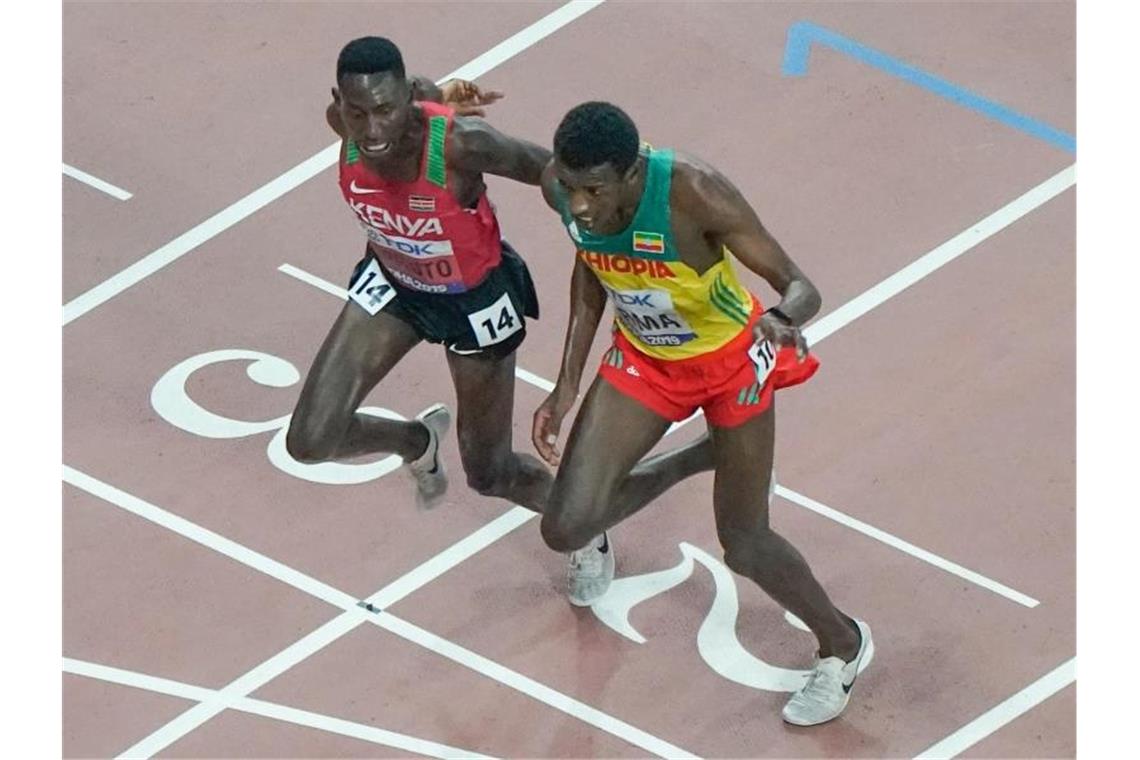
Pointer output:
529, 377
304, 171
355, 730
940, 256
904, 546
512, 46
322, 284
265, 709
458, 552
1012, 708
207, 538
312, 279
95, 182
529, 686
246, 684
188, 241
137, 680
351, 617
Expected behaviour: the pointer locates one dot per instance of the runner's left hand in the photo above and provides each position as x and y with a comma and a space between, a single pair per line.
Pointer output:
466, 97
779, 334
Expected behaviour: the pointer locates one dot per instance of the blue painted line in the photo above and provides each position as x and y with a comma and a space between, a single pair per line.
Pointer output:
802, 34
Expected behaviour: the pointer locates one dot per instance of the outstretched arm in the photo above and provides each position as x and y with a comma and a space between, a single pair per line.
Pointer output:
476, 146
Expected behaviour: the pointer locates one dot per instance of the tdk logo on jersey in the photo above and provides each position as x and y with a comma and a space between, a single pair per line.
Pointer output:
379, 218
633, 299
418, 249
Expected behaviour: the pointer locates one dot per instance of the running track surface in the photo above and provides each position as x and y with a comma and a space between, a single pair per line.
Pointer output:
927, 472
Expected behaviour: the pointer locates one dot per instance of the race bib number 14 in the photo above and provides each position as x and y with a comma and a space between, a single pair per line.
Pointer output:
371, 289
495, 323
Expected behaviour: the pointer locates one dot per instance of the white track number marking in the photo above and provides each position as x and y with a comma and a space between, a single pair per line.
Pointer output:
371, 289
496, 323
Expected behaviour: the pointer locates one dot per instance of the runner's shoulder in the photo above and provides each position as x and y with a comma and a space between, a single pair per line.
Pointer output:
695, 176
698, 188
471, 141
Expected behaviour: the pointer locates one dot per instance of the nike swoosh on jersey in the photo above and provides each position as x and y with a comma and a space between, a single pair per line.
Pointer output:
362, 190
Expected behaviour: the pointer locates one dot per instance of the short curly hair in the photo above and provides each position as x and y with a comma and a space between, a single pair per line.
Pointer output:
370, 55
597, 133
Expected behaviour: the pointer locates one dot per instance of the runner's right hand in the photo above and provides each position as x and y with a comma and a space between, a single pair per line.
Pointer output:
467, 98
781, 334
548, 422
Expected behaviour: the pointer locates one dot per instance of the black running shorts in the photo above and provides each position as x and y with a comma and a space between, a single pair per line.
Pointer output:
487, 321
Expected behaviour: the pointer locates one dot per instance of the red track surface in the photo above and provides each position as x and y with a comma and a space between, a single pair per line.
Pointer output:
944, 417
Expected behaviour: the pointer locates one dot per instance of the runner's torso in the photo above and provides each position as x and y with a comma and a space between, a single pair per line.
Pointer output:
663, 306
419, 230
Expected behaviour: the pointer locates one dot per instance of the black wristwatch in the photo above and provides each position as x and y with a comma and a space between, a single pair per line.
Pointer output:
775, 312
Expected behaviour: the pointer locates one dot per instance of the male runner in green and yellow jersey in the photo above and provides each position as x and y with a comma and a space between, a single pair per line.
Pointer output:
654, 231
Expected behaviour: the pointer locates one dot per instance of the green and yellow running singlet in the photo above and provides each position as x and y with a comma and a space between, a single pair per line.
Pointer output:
662, 305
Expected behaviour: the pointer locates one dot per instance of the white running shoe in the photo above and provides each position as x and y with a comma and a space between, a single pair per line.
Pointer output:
828, 688
591, 571
428, 470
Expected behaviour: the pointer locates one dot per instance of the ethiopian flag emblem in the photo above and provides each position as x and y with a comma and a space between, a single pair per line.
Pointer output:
649, 242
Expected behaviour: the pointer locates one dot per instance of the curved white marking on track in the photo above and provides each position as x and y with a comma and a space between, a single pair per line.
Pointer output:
170, 399
626, 593
721, 649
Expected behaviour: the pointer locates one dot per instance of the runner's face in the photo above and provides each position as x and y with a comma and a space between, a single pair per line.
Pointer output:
598, 196
377, 111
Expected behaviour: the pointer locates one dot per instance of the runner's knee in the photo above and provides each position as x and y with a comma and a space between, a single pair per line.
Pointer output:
487, 475
565, 535
488, 481
309, 446
567, 523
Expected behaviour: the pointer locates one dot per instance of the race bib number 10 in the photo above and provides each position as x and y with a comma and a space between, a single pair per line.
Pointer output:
763, 357
371, 289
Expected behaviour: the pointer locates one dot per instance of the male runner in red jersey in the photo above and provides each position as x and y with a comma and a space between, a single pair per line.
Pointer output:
435, 269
